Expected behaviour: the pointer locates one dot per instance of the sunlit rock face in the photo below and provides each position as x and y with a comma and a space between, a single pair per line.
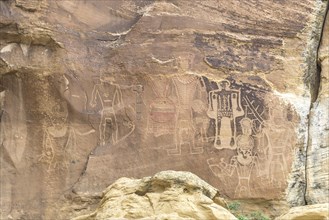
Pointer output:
172, 195
318, 211
92, 91
318, 150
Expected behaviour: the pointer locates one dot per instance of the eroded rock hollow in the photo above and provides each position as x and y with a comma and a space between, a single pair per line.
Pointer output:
92, 91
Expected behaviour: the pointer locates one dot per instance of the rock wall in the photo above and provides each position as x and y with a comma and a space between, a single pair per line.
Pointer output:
318, 148
92, 91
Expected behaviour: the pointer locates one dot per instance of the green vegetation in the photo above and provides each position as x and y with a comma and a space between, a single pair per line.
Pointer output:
237, 210
242, 217
258, 216
234, 206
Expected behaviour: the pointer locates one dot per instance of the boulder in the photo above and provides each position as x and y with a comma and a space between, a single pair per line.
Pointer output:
168, 195
308, 212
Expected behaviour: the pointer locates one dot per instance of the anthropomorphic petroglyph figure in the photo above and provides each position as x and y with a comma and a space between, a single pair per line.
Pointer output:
189, 97
201, 120
138, 89
162, 110
246, 158
202, 126
263, 150
243, 163
116, 118
225, 103
280, 144
55, 145
245, 142
110, 98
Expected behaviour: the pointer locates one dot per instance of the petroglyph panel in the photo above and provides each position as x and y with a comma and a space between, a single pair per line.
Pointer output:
92, 91
238, 135
261, 139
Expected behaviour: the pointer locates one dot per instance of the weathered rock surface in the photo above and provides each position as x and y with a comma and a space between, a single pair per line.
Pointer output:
167, 195
92, 91
318, 148
308, 212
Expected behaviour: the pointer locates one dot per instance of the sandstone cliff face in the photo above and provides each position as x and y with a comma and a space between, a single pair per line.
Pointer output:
92, 91
318, 147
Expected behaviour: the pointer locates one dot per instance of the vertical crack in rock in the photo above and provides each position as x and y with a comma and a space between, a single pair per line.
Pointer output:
315, 83
305, 188
151, 204
317, 78
312, 75
81, 175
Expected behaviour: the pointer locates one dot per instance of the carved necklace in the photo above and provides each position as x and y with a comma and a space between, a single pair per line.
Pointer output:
186, 81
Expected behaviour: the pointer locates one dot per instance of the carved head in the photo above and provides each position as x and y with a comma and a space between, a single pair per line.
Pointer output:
245, 152
244, 149
246, 125
185, 61
225, 84
245, 142
106, 78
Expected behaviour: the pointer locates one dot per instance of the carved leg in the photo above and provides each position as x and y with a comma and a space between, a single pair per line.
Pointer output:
109, 123
233, 135
178, 144
284, 167
175, 151
237, 191
218, 143
194, 149
102, 129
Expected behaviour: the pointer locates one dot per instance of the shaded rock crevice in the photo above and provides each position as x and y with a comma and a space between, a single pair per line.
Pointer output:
315, 86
